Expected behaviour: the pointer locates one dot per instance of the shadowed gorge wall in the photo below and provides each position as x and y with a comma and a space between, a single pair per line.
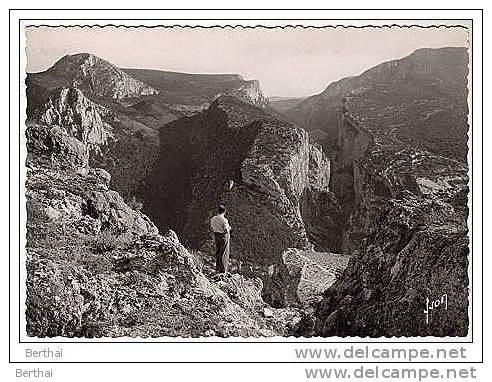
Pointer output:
198, 156
271, 163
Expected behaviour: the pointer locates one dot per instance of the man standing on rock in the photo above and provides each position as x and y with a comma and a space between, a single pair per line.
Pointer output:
221, 229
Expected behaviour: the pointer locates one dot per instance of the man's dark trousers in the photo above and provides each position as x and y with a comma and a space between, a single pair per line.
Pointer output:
222, 244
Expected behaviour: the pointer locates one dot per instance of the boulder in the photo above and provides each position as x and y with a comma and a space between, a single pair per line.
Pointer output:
114, 214
302, 277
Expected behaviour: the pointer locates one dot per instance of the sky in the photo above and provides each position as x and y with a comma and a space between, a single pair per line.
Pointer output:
288, 62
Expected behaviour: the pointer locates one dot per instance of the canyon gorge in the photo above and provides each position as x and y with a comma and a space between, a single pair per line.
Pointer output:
349, 208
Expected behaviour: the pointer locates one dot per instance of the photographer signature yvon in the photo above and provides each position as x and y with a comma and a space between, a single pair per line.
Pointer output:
432, 305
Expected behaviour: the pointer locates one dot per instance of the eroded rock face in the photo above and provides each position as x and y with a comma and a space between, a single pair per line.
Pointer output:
99, 77
415, 253
79, 116
56, 142
319, 167
277, 168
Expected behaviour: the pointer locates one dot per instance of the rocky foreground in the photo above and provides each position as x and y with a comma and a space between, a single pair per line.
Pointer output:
96, 267
270, 175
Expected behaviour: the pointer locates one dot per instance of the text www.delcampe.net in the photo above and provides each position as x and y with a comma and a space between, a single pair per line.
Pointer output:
388, 354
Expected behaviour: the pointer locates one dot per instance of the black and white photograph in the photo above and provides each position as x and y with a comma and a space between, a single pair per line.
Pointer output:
224, 181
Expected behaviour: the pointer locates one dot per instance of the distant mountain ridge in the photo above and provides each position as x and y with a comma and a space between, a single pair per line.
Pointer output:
437, 74
200, 89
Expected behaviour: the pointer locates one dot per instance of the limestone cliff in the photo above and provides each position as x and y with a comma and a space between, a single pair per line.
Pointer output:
250, 92
407, 202
190, 93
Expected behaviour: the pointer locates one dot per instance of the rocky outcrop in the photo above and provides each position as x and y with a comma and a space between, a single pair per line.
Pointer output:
55, 142
96, 267
277, 169
77, 115
234, 153
86, 203
319, 167
415, 252
99, 77
122, 146
92, 100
